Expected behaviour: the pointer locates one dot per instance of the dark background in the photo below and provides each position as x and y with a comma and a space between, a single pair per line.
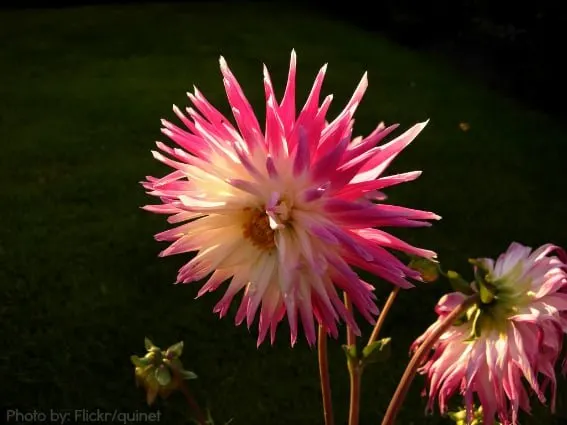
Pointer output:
81, 94
516, 47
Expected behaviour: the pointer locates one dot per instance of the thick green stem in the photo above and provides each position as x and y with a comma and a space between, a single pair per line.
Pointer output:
355, 372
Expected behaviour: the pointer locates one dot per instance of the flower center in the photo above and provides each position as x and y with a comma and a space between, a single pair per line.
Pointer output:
257, 229
503, 301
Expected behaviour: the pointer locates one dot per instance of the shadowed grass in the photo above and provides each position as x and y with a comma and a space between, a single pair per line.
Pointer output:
81, 96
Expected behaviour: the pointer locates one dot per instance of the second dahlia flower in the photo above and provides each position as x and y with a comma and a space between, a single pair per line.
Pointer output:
284, 211
508, 344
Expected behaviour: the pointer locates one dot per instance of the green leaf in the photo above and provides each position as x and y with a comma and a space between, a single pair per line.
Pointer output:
350, 351
458, 283
163, 376
378, 351
175, 350
149, 344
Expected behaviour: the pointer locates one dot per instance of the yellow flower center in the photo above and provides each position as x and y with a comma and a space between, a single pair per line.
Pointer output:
257, 229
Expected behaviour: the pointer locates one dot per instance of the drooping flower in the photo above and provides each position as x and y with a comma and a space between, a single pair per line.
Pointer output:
514, 333
284, 212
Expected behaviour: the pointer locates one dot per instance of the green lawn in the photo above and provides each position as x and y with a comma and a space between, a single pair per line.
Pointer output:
81, 94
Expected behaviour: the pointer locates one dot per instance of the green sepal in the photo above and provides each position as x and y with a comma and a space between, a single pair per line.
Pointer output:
174, 364
163, 376
351, 352
152, 392
458, 283
149, 344
377, 352
476, 329
487, 292
187, 374
140, 362
460, 320
428, 269
461, 415
480, 270
175, 350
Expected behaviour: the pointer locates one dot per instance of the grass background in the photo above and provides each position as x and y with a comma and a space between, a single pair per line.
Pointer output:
81, 95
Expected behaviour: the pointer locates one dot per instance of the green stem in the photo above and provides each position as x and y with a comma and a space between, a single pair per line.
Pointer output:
417, 359
324, 377
354, 371
190, 399
383, 314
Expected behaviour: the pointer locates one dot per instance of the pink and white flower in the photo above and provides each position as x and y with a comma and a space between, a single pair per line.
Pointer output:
284, 212
514, 337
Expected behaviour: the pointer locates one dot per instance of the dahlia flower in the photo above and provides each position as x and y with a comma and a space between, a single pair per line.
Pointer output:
514, 334
286, 212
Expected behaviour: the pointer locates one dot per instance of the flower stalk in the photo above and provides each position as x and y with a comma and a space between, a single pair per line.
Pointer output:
354, 370
324, 376
199, 415
417, 359
382, 316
